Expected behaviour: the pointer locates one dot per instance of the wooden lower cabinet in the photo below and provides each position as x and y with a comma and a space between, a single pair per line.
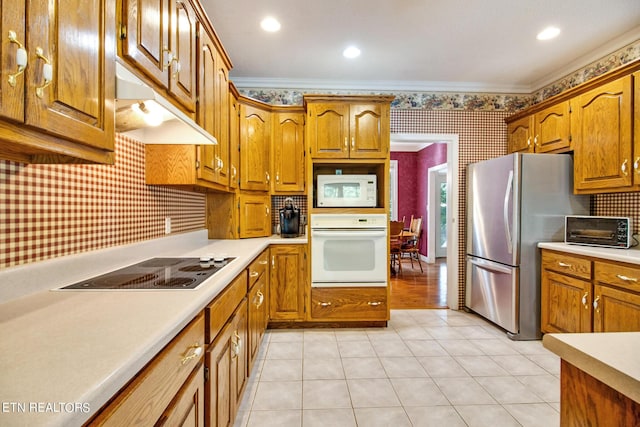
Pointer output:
287, 282
258, 303
349, 304
584, 294
587, 401
566, 303
187, 410
155, 394
615, 310
226, 370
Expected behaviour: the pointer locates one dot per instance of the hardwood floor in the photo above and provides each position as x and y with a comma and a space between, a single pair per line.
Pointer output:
414, 289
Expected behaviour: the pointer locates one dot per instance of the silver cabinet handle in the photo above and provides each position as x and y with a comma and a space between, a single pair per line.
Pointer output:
353, 142
273, 261
626, 278
254, 274
636, 165
374, 303
596, 305
564, 264
584, 300
324, 304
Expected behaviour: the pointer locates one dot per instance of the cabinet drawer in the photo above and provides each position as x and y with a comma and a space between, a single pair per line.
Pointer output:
567, 264
349, 303
620, 275
220, 310
145, 399
258, 267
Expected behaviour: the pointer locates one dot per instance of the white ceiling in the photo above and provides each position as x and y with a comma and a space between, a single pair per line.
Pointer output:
447, 45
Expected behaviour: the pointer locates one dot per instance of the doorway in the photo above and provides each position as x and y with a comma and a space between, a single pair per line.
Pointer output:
451, 211
437, 201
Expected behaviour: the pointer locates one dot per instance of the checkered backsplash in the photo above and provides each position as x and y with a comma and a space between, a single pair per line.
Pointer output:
49, 211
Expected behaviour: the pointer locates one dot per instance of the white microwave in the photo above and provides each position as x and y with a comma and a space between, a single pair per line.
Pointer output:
346, 191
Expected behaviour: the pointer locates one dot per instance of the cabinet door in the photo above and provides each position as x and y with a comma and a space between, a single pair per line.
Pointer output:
254, 148
519, 135
601, 126
287, 282
288, 152
75, 41
146, 40
12, 21
257, 317
239, 355
222, 119
552, 129
255, 215
218, 392
369, 131
183, 46
615, 310
188, 408
328, 130
234, 140
207, 168
566, 303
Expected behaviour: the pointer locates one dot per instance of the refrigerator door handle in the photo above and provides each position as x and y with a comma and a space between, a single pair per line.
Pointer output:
490, 266
505, 211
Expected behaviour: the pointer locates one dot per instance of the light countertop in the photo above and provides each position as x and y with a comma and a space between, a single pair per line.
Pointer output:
80, 347
610, 357
631, 255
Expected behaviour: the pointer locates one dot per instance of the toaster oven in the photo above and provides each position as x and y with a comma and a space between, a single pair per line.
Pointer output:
604, 231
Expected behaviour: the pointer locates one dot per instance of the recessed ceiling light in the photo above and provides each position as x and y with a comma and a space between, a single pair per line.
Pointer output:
351, 52
270, 24
548, 33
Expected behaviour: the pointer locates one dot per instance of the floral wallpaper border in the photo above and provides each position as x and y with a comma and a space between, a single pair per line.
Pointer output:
467, 101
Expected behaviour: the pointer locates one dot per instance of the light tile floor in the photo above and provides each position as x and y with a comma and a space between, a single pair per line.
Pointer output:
427, 368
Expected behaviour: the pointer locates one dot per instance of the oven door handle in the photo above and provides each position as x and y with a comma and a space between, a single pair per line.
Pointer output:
350, 233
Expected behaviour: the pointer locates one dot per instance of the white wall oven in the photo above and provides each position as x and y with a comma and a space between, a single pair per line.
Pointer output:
348, 250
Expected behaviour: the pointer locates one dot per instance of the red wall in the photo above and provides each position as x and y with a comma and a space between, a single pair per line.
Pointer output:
413, 183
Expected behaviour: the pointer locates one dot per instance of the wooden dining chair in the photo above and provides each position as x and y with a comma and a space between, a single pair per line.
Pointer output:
395, 244
412, 246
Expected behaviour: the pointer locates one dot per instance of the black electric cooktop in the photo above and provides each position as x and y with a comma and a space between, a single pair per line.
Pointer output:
155, 274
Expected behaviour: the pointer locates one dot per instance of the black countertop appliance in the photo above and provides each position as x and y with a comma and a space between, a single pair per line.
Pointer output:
289, 219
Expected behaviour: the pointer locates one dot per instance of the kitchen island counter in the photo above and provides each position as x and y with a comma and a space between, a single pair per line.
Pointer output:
64, 354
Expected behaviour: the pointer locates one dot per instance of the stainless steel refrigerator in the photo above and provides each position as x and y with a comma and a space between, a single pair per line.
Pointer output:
514, 202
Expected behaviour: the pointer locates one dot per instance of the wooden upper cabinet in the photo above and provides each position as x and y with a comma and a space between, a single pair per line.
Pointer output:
370, 131
288, 152
12, 45
552, 129
213, 110
67, 90
222, 120
601, 126
255, 141
546, 131
348, 127
255, 215
519, 135
207, 61
159, 38
328, 130
234, 137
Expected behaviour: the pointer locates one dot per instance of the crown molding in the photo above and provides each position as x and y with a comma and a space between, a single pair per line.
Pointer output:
598, 54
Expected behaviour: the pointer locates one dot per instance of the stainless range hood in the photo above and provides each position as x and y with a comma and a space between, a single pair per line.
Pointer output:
146, 116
